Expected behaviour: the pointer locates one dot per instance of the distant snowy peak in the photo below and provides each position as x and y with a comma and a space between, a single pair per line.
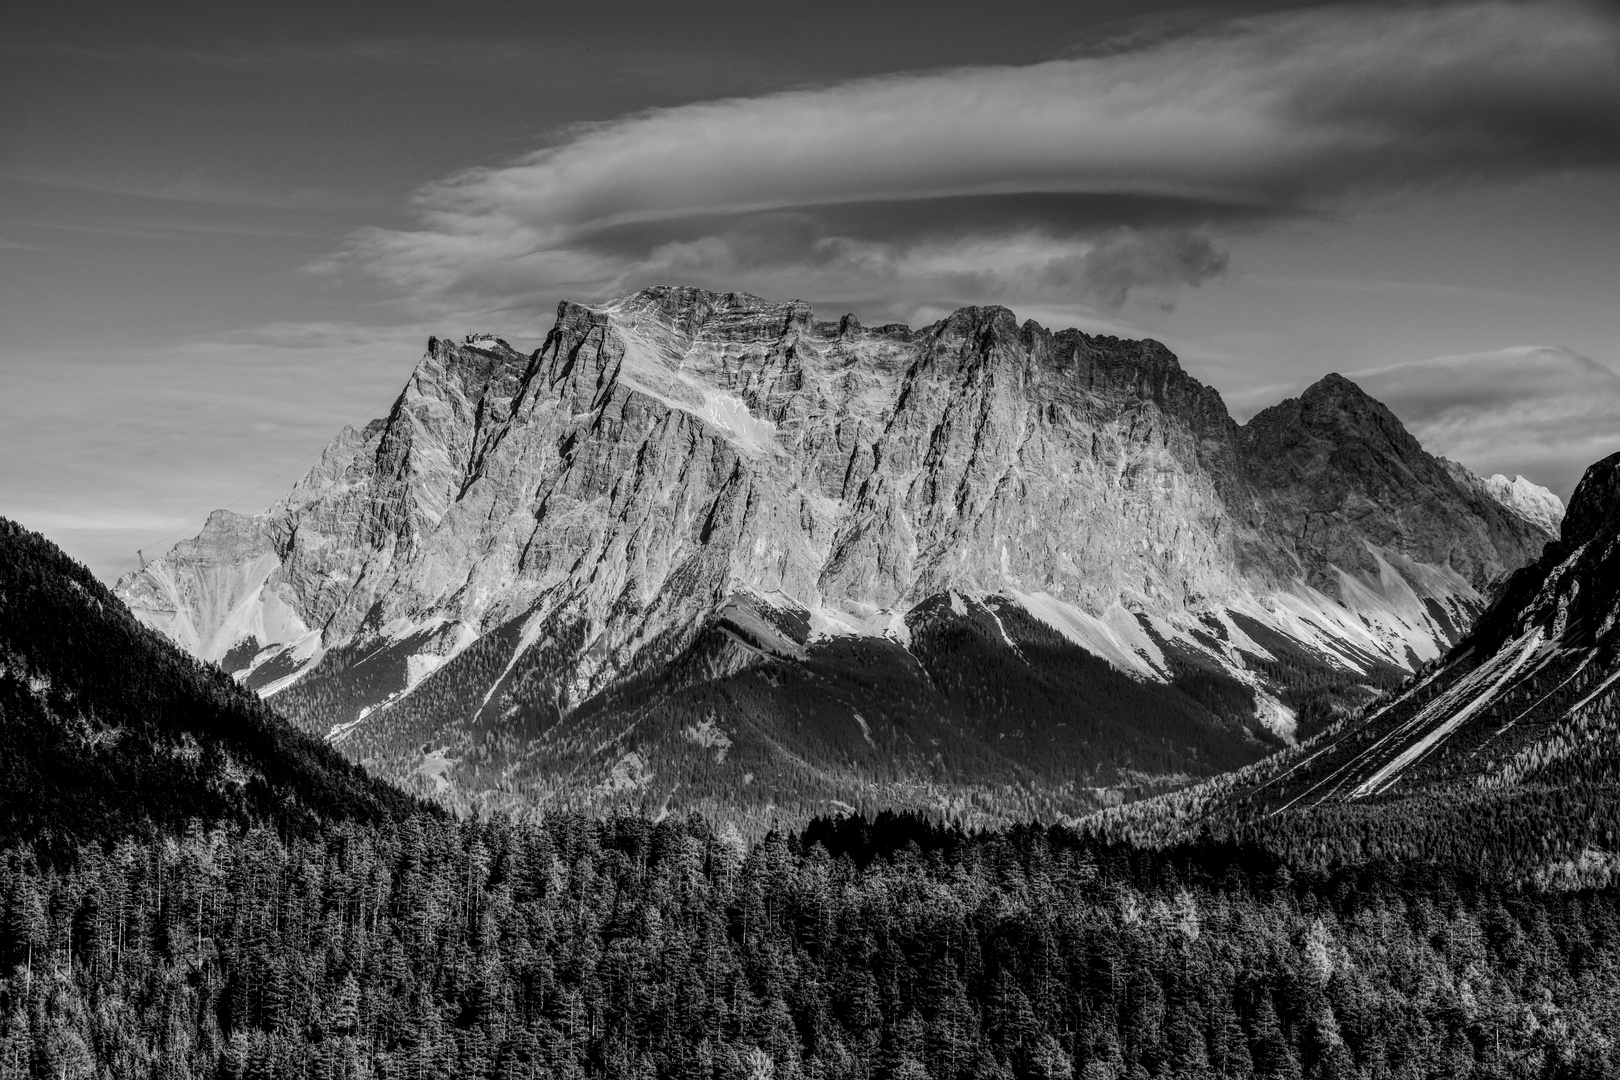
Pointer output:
1530, 501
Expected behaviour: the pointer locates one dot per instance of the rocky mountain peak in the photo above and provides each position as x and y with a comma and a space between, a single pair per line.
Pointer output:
1355, 485
688, 312
528, 537
1337, 410
991, 319
1335, 388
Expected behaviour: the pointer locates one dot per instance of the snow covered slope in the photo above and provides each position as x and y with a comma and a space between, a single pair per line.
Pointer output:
1528, 500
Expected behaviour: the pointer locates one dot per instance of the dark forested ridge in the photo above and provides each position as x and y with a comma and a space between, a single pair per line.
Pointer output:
109, 730
891, 949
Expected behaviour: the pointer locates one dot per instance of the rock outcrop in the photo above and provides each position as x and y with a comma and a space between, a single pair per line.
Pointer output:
530, 555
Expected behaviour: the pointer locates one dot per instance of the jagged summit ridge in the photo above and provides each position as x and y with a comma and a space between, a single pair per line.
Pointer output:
584, 514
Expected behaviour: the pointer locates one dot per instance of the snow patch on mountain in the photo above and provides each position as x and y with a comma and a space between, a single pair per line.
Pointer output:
646, 367
1529, 500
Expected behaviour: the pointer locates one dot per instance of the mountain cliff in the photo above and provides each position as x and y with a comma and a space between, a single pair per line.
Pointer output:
702, 549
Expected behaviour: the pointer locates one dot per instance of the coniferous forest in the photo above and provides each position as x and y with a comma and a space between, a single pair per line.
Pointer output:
886, 949
190, 888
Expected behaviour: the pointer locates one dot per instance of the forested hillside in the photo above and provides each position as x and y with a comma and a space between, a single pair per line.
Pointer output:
108, 730
624, 948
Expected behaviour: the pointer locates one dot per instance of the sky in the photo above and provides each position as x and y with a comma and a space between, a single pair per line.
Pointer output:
225, 233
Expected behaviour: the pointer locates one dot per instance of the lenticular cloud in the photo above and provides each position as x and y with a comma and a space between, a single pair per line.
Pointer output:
1261, 118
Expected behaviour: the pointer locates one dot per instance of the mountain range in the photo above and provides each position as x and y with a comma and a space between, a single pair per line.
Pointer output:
702, 551
1526, 698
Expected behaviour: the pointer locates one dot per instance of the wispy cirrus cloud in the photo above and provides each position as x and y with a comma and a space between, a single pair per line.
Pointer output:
1091, 179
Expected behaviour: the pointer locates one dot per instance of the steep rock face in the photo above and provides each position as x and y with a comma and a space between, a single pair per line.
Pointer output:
1386, 530
208, 594
529, 555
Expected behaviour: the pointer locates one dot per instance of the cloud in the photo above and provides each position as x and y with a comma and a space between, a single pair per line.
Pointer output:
1545, 413
791, 254
1094, 176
